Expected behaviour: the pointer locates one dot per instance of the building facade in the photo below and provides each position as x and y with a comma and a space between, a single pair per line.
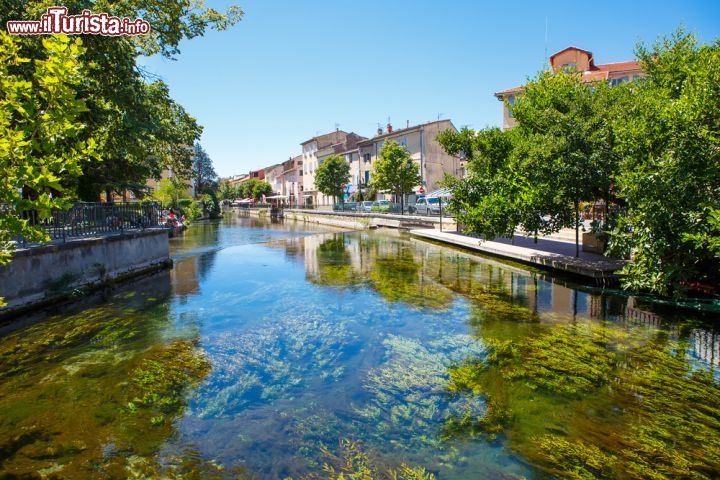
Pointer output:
321, 144
292, 187
348, 150
575, 59
274, 175
421, 142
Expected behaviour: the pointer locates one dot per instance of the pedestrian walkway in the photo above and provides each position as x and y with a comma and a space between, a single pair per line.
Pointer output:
546, 253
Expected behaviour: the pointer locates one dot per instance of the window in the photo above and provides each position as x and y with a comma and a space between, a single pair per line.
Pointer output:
366, 157
569, 67
511, 103
617, 81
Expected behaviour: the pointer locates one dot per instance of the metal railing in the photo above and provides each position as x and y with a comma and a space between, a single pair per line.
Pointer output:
95, 219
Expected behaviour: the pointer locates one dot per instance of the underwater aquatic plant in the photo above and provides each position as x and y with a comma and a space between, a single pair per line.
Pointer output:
596, 401
353, 463
160, 381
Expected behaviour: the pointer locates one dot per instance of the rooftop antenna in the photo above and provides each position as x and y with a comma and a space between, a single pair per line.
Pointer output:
440, 115
337, 126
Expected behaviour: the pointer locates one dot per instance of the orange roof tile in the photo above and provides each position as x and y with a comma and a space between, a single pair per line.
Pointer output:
619, 66
594, 76
508, 91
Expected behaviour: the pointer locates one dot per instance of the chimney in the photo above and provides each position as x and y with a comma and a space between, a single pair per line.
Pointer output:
389, 128
407, 123
379, 130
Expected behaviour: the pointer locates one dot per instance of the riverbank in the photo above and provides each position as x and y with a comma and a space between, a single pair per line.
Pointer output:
600, 269
360, 221
52, 273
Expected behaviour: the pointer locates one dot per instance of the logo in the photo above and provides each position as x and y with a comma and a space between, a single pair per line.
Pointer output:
56, 20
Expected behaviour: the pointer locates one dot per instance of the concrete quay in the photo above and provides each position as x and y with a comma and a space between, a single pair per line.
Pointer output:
597, 267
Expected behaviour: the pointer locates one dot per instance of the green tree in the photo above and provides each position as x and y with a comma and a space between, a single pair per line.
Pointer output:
246, 188
331, 175
211, 204
226, 191
670, 169
140, 129
567, 142
203, 171
261, 188
535, 176
500, 194
395, 171
170, 191
40, 150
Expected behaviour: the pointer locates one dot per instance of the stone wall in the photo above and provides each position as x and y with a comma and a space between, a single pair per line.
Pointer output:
361, 221
54, 272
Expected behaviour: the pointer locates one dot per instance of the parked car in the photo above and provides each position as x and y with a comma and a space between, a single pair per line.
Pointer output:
345, 207
427, 206
365, 207
382, 206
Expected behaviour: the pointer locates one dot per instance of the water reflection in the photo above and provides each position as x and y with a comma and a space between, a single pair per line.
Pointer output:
268, 344
98, 388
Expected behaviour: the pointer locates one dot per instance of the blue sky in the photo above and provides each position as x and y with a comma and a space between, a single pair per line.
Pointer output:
292, 69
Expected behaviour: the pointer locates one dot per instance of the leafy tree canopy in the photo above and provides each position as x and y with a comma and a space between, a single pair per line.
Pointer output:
669, 171
140, 130
203, 171
331, 175
650, 148
395, 171
40, 146
261, 188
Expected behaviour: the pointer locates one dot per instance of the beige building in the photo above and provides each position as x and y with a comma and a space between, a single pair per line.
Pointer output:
575, 59
320, 144
421, 142
274, 176
347, 149
292, 187
237, 179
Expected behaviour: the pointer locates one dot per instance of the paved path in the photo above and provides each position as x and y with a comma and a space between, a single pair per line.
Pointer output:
546, 253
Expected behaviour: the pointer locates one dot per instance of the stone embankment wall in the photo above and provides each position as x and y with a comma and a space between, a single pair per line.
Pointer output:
40, 275
361, 221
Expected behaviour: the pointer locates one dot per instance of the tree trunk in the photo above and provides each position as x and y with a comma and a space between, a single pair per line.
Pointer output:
606, 222
577, 227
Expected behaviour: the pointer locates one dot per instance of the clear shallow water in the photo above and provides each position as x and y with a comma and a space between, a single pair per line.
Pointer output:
267, 344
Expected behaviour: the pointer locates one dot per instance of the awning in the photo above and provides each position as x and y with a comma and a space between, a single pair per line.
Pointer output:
442, 193
276, 197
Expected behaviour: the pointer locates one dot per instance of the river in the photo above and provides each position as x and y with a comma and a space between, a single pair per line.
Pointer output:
276, 350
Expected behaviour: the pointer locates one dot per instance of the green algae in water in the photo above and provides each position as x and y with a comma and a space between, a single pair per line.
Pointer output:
423, 358
613, 404
158, 384
354, 463
94, 391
